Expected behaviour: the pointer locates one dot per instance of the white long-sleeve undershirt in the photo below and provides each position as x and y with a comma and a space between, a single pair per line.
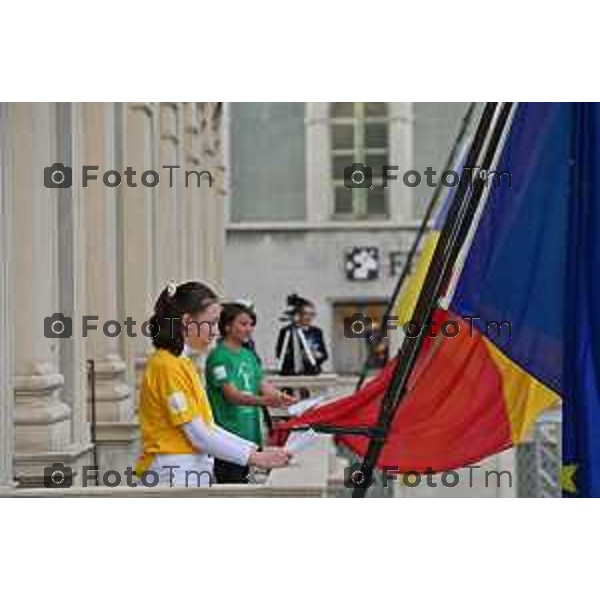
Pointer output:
212, 439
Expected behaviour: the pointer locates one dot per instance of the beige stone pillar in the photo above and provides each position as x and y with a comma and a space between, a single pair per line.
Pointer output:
6, 307
42, 419
135, 230
205, 238
115, 429
212, 197
170, 236
191, 194
219, 194
70, 242
178, 193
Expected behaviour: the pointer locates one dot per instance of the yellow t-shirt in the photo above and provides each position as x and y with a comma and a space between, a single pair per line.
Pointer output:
171, 394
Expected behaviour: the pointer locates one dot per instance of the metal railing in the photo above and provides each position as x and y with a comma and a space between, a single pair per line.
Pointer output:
539, 459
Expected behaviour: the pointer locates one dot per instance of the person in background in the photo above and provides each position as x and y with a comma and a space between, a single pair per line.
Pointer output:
236, 387
300, 348
179, 434
377, 348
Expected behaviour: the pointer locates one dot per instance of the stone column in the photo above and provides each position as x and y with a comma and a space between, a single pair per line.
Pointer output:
6, 308
170, 235
70, 242
191, 193
42, 419
135, 225
402, 198
219, 200
182, 223
319, 191
115, 429
212, 198
205, 241
227, 153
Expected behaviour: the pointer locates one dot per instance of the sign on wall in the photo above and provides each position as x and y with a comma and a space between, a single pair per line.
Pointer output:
362, 263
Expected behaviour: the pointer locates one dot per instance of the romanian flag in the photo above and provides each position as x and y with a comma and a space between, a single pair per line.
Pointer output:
505, 354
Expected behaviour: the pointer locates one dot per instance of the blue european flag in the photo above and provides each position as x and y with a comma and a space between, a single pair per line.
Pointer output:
581, 385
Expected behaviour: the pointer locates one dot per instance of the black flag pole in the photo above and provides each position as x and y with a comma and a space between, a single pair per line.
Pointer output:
406, 268
487, 138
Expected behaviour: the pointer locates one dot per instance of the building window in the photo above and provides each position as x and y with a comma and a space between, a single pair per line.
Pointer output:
267, 180
359, 134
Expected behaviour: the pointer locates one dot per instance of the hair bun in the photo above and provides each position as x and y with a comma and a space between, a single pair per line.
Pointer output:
247, 302
171, 288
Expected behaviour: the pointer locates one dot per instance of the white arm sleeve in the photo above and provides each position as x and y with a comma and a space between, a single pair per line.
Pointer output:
233, 437
211, 439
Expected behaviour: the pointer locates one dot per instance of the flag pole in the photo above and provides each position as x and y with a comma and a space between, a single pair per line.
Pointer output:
460, 215
450, 162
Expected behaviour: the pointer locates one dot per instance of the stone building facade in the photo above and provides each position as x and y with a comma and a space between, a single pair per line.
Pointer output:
97, 250
292, 222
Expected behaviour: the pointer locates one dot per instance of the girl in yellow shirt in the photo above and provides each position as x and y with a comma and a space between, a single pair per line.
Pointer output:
179, 436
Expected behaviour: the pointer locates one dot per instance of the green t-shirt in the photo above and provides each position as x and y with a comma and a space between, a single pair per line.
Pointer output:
241, 369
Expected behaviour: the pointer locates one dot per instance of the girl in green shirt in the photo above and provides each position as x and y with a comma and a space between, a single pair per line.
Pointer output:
236, 387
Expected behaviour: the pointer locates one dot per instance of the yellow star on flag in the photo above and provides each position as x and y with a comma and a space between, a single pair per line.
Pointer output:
567, 478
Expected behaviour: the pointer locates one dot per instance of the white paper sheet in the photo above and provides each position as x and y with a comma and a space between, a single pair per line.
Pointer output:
301, 440
303, 405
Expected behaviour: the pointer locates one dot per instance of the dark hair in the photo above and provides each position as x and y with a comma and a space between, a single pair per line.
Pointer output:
297, 303
191, 297
230, 313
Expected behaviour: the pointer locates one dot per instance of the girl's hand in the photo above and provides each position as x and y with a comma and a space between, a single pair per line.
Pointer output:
269, 458
279, 400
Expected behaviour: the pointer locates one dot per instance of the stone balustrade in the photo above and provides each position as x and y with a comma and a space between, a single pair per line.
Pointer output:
315, 473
